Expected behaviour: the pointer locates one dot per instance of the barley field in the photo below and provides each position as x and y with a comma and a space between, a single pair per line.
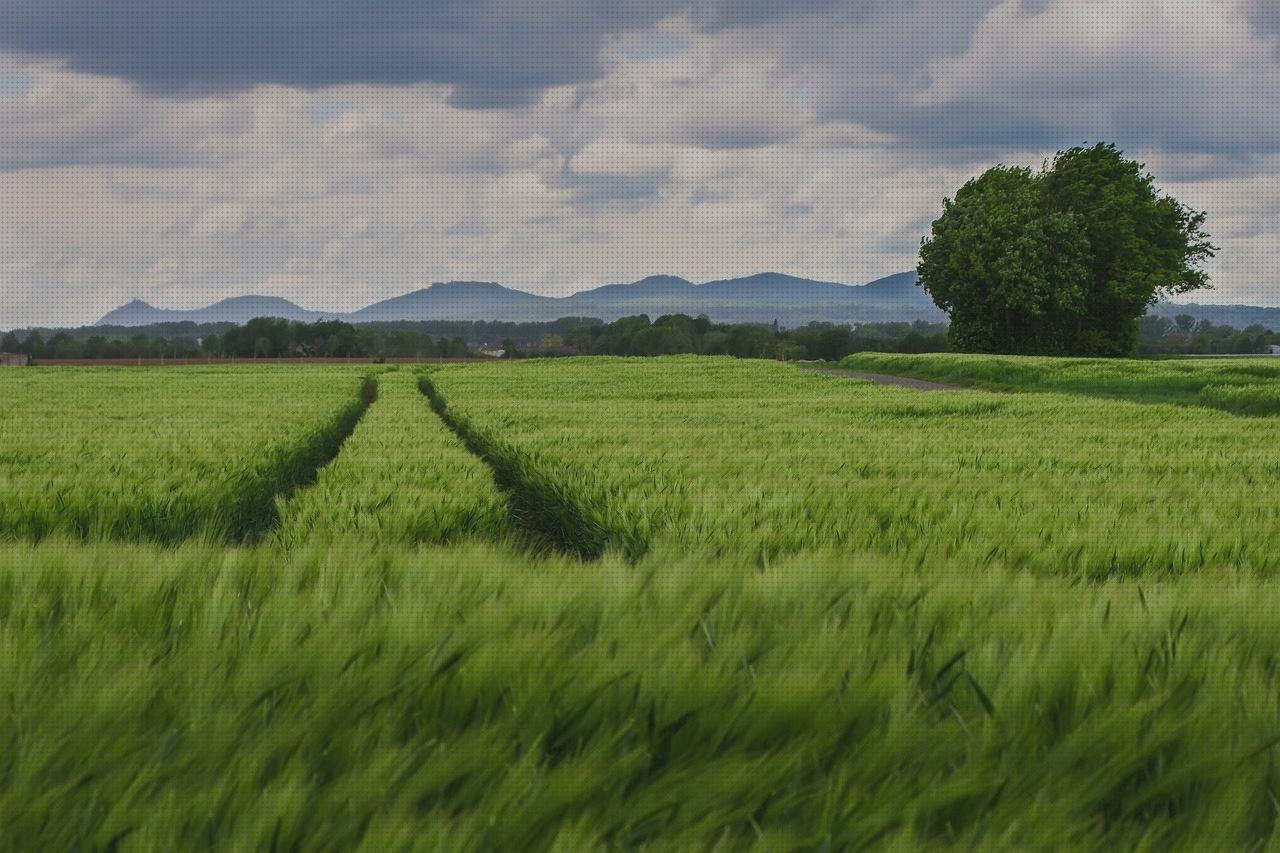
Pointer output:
165, 455
1245, 386
668, 604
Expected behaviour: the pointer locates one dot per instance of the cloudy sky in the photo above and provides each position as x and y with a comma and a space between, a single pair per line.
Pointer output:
336, 152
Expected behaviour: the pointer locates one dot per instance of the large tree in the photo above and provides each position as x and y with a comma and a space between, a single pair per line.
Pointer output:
1062, 261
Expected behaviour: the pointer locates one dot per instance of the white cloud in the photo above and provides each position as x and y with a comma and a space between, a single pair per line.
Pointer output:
1188, 76
226, 220
618, 156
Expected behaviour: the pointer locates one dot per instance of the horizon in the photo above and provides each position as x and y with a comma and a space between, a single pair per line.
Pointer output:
1193, 300
344, 313
555, 147
586, 289
1207, 309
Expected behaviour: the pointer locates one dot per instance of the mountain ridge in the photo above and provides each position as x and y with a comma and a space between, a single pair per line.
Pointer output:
763, 297
760, 298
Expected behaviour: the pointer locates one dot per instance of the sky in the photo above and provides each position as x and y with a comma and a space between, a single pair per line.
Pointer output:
337, 152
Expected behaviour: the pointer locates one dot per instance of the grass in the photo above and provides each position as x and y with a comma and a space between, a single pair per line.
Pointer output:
103, 453
1202, 381
665, 604
1243, 399
469, 698
761, 460
402, 477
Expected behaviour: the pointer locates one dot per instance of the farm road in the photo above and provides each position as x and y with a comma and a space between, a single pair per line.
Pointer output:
887, 379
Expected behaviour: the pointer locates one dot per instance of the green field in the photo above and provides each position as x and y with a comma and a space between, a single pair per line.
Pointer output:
165, 455
760, 459
677, 603
1246, 386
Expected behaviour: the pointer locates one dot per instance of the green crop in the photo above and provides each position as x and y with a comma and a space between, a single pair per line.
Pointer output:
402, 476
1136, 380
157, 454
468, 698
664, 604
761, 459
1243, 399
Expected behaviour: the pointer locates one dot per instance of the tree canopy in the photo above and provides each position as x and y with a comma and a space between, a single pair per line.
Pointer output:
1062, 261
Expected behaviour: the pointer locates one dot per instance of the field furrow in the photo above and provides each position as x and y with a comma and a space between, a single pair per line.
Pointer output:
402, 477
761, 460
550, 506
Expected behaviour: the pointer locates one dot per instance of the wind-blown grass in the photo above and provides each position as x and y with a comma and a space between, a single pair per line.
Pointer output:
1181, 381
401, 477
1243, 399
551, 510
817, 614
164, 455
466, 698
760, 460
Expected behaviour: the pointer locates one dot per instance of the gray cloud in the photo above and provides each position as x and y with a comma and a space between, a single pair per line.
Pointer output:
61, 119
1264, 14
724, 14
872, 62
337, 157
993, 76
496, 53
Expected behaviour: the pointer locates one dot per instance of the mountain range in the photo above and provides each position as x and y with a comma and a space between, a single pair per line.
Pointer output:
761, 298
1239, 316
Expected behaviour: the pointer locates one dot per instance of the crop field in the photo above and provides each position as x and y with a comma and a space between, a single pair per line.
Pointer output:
671, 604
114, 453
1246, 386
761, 459
402, 476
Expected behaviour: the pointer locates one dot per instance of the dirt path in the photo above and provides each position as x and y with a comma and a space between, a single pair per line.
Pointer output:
887, 379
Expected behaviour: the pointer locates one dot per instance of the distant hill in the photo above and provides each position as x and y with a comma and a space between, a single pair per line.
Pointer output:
899, 286
237, 309
1240, 316
135, 313
761, 298
462, 300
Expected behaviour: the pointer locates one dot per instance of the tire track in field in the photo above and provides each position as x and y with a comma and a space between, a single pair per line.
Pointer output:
544, 509
256, 510
886, 379
402, 476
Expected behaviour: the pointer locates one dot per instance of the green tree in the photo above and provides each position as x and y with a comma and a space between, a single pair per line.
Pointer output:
580, 339
551, 344
34, 346
751, 341
1063, 261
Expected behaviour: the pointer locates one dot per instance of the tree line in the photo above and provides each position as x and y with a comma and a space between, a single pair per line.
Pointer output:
674, 334
266, 337
262, 337
275, 338
1185, 335
634, 336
